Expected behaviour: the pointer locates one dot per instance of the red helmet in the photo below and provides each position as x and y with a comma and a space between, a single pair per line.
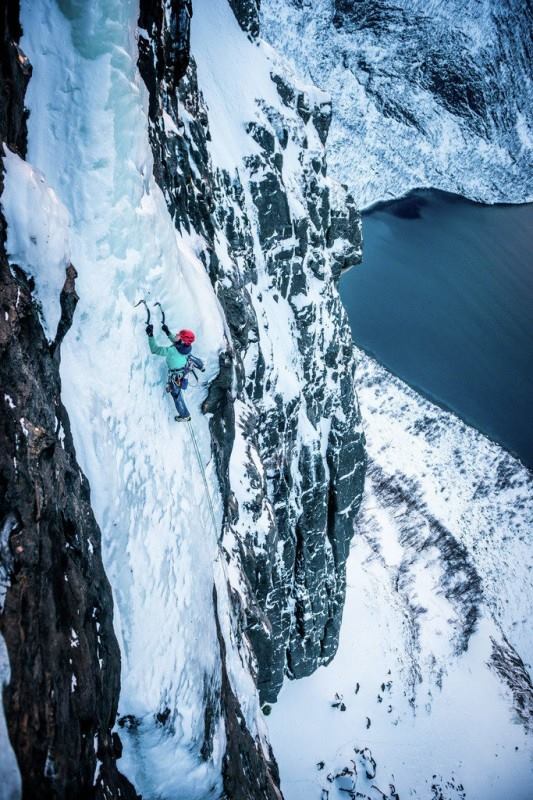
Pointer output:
186, 336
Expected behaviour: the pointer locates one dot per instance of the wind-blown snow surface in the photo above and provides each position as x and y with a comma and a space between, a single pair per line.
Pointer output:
438, 579
88, 134
424, 93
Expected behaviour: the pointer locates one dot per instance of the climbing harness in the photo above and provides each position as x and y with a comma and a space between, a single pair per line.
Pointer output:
202, 470
175, 376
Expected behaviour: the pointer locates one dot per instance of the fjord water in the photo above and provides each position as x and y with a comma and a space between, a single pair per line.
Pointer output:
444, 299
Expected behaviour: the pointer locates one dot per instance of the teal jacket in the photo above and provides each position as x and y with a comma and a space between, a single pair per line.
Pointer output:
174, 359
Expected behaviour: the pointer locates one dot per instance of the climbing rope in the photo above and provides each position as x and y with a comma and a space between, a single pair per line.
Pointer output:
202, 470
191, 431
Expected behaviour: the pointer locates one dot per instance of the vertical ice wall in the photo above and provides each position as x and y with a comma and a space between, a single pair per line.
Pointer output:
88, 134
60, 664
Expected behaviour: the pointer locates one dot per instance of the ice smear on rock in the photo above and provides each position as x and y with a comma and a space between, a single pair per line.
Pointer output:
9, 771
37, 233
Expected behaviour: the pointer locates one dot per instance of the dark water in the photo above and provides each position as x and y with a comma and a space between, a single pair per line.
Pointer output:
444, 299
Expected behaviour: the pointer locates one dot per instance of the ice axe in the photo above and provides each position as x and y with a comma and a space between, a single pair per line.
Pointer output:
163, 323
147, 309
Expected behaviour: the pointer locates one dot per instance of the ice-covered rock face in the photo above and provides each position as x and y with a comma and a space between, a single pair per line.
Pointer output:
224, 542
276, 234
425, 93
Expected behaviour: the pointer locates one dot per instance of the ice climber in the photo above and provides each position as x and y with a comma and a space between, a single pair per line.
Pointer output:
179, 362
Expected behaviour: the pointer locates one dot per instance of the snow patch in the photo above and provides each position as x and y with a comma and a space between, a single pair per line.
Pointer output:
10, 779
411, 683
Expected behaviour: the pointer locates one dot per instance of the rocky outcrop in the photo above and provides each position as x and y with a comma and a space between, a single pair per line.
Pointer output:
15, 72
512, 671
247, 14
303, 448
169, 22
56, 611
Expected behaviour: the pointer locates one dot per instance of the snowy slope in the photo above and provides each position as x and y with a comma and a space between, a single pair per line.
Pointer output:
439, 589
424, 93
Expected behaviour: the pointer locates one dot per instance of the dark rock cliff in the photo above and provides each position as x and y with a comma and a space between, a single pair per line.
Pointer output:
247, 14
291, 533
56, 616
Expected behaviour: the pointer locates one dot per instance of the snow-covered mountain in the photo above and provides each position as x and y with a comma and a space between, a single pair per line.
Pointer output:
430, 694
159, 582
425, 93
188, 170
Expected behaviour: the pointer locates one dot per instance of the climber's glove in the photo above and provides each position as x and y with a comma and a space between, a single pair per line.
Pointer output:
150, 330
165, 329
